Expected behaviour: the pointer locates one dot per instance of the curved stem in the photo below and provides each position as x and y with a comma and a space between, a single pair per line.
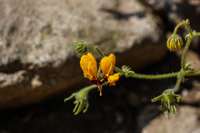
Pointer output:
188, 27
97, 49
185, 51
178, 82
88, 88
176, 28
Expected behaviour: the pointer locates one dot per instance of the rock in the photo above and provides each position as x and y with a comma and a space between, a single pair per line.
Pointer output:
185, 121
177, 10
37, 55
191, 95
191, 57
173, 12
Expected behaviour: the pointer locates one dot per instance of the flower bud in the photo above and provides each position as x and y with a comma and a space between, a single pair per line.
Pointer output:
168, 97
174, 43
81, 47
81, 102
169, 100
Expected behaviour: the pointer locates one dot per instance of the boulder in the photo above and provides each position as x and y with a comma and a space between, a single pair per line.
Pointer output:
185, 121
37, 55
173, 12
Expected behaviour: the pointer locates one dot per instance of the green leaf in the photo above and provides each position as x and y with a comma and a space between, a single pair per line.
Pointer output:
165, 111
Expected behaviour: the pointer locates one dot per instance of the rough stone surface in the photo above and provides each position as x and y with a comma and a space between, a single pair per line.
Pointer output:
37, 56
173, 12
185, 121
177, 10
191, 95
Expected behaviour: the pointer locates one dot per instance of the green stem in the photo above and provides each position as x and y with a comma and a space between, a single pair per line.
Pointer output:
196, 34
97, 49
161, 76
187, 26
143, 76
118, 69
88, 88
192, 73
185, 51
176, 28
84, 92
183, 69
178, 82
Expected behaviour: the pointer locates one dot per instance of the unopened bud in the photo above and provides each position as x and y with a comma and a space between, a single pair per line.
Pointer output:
174, 43
81, 47
169, 100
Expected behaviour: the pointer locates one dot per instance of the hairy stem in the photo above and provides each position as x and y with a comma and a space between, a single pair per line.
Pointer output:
176, 28
185, 51
97, 49
160, 76
178, 82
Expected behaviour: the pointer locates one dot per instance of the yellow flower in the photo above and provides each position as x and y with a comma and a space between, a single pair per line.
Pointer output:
89, 66
107, 64
113, 78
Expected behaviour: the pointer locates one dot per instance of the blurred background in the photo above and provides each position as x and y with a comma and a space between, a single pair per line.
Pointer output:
39, 66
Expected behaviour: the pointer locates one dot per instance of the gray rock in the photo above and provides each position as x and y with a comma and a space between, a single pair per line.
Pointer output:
175, 11
37, 55
185, 121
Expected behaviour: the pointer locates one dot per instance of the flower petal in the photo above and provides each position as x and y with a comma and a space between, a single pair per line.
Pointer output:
107, 64
89, 66
112, 58
84, 64
92, 69
113, 78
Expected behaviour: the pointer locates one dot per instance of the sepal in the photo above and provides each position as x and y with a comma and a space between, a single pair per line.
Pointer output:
81, 99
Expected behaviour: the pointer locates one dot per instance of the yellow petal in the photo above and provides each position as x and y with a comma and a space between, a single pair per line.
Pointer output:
112, 58
92, 69
107, 64
84, 64
89, 66
113, 78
